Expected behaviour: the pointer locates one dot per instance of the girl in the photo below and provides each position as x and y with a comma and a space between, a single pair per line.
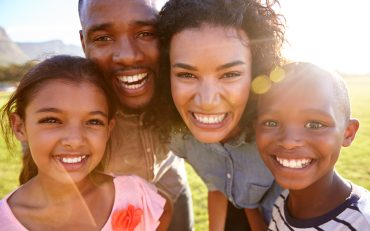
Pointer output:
63, 110
212, 49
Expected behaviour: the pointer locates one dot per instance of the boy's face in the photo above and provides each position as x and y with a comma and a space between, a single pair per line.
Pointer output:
300, 131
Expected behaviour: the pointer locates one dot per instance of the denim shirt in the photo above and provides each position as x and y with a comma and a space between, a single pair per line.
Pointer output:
234, 168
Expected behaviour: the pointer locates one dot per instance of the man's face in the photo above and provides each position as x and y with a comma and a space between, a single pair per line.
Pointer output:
120, 36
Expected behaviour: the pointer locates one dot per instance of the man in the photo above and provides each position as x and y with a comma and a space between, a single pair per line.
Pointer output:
120, 36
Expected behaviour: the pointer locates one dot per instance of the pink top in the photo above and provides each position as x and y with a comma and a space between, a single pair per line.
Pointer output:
129, 190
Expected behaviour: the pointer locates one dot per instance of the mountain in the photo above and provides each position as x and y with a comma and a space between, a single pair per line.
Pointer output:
17, 53
42, 50
10, 52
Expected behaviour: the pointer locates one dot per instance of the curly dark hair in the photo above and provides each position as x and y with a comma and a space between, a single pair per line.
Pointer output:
264, 27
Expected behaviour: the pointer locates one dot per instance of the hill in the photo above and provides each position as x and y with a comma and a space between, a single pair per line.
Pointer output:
42, 50
10, 52
18, 53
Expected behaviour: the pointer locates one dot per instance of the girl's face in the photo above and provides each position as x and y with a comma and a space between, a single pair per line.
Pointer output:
210, 80
66, 126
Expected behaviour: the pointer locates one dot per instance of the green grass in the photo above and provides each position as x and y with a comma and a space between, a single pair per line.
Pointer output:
353, 164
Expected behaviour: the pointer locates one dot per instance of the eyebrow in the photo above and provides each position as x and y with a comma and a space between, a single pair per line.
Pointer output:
231, 64
98, 27
104, 26
55, 110
222, 67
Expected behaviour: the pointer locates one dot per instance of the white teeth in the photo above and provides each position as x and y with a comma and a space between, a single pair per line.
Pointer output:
294, 163
209, 119
72, 160
127, 81
132, 78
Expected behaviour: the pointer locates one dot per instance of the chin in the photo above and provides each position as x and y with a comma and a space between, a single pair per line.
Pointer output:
208, 137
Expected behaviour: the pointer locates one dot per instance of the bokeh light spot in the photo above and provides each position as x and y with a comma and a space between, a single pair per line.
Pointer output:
277, 75
261, 84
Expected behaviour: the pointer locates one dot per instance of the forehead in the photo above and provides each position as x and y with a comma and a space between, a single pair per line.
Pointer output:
210, 40
303, 89
61, 92
96, 12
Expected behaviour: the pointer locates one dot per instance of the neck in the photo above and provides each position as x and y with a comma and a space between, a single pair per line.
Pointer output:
54, 192
319, 198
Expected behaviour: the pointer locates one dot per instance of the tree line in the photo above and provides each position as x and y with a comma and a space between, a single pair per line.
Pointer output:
15, 72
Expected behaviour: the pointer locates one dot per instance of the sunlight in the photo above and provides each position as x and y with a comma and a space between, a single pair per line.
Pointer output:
333, 34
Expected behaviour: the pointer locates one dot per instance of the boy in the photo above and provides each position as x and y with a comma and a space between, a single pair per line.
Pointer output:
302, 123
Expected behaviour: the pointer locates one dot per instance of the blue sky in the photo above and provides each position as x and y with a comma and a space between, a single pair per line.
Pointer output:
332, 33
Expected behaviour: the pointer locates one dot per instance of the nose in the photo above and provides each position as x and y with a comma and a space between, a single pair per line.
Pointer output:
208, 95
290, 137
73, 137
127, 52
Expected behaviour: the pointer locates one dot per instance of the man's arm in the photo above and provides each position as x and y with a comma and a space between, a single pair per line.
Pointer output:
217, 209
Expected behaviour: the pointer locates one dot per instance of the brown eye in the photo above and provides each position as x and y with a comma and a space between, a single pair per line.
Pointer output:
270, 123
49, 120
185, 75
231, 75
314, 125
96, 122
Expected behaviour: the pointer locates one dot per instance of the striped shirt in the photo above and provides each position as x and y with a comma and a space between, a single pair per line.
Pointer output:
353, 214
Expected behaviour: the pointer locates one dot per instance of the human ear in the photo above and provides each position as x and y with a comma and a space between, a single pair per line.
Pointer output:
111, 125
18, 127
350, 132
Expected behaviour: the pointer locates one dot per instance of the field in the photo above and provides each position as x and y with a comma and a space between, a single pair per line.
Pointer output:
354, 162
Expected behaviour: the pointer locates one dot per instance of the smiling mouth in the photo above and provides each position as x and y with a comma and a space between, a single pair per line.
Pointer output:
133, 82
71, 160
209, 119
294, 163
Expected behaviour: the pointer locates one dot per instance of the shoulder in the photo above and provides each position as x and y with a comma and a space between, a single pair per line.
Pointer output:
136, 194
133, 182
134, 188
7, 219
181, 142
363, 203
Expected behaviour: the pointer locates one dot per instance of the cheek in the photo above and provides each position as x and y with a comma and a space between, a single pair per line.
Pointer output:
239, 94
263, 138
179, 92
102, 57
151, 51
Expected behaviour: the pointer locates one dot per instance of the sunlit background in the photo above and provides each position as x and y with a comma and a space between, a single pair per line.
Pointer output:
332, 33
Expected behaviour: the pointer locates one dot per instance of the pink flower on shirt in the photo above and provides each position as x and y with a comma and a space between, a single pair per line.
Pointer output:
126, 219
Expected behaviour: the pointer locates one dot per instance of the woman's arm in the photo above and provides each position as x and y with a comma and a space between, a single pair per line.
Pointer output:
217, 208
255, 219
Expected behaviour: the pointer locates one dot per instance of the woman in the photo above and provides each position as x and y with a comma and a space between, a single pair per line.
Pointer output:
212, 49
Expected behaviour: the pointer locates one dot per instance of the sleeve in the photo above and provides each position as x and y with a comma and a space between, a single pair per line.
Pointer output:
141, 194
7, 219
269, 199
364, 203
153, 204
177, 145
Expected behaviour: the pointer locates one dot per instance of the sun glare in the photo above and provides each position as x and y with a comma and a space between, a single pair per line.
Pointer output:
333, 34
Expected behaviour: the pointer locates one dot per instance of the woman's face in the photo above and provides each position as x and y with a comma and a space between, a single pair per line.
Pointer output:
211, 70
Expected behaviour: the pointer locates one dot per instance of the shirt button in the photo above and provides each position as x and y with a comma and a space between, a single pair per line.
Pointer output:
148, 150
228, 176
